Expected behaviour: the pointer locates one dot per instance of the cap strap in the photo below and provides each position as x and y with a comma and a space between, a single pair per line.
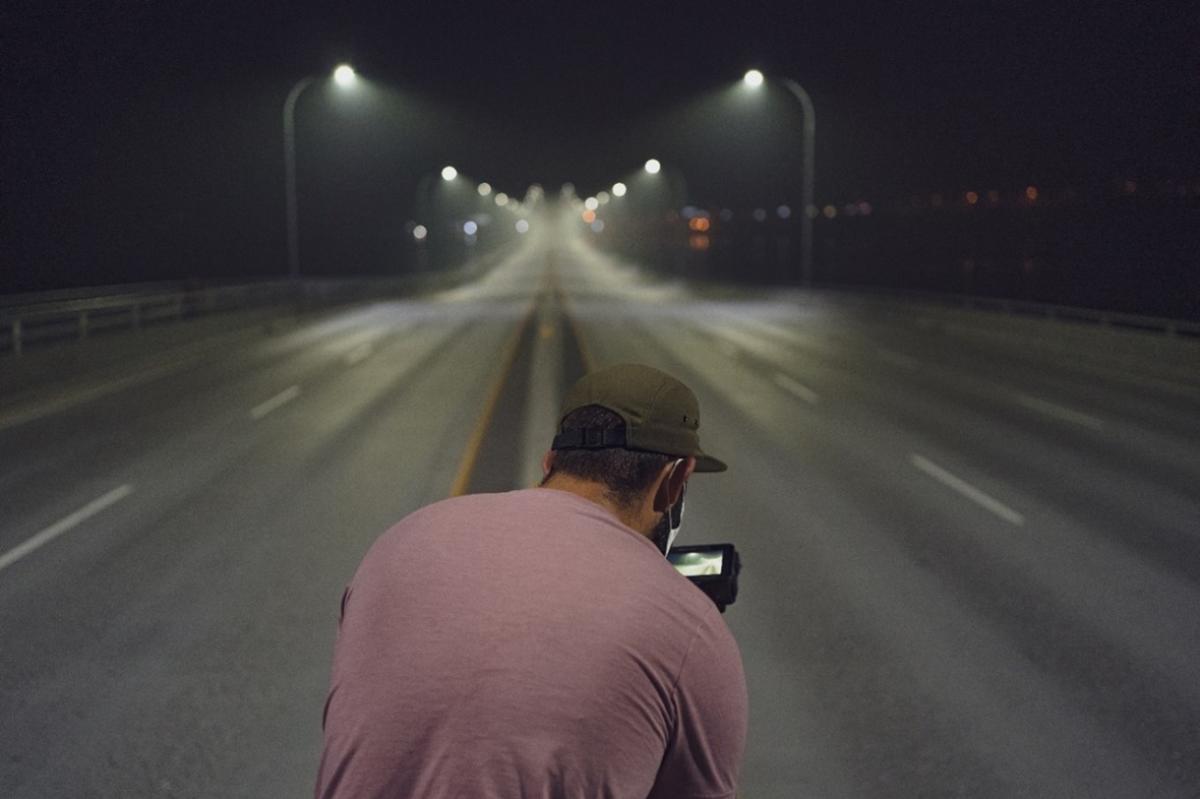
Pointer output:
589, 438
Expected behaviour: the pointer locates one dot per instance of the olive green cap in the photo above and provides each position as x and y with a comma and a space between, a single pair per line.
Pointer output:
661, 414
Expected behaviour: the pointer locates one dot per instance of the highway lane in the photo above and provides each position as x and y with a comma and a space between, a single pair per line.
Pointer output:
178, 643
971, 565
1021, 619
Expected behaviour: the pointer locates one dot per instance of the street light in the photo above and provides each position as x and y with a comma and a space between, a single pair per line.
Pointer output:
753, 78
449, 173
653, 166
344, 77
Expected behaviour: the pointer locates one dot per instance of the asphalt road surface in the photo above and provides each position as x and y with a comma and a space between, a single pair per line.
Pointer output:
971, 545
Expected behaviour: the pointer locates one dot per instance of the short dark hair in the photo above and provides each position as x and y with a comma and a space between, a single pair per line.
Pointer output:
625, 473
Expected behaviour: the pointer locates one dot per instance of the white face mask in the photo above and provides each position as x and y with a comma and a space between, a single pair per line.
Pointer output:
675, 513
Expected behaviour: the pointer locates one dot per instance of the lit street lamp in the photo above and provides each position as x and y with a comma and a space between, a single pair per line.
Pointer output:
344, 77
753, 78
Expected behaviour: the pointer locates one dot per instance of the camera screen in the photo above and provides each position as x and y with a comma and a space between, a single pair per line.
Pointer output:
696, 564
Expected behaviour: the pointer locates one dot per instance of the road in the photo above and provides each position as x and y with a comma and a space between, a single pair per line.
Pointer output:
972, 559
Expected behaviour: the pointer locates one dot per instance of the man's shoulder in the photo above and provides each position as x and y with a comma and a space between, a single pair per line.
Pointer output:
483, 505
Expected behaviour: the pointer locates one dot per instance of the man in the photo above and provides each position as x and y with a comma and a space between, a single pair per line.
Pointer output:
536, 643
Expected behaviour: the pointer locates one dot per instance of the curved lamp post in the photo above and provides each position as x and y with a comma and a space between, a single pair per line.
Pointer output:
344, 77
754, 79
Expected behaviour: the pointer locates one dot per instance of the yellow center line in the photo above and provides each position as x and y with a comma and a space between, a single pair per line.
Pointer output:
585, 355
466, 466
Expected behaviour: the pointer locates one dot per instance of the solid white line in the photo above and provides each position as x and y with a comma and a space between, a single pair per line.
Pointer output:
65, 524
796, 389
967, 490
1060, 412
282, 398
358, 354
898, 359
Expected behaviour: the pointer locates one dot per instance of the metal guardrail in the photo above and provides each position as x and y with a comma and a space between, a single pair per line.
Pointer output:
35, 321
1066, 313
73, 314
60, 316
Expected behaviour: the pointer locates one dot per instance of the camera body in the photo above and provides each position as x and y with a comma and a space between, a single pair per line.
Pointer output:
713, 568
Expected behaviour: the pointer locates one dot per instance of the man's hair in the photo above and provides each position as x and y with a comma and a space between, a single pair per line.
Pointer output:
624, 473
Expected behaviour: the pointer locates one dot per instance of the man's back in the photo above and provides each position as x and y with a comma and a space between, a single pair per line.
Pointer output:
528, 644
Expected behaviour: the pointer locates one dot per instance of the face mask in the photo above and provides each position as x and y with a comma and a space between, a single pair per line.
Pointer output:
668, 527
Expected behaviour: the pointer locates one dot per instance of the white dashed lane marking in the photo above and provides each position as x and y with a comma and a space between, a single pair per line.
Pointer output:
1059, 412
796, 389
280, 399
967, 490
65, 524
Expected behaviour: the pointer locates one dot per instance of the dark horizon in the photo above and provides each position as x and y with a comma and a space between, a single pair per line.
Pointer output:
138, 135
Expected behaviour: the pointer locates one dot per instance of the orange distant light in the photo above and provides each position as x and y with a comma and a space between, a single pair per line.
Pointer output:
589, 216
972, 198
698, 224
1031, 193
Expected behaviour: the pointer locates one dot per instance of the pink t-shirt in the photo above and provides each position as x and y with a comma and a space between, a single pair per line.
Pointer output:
528, 644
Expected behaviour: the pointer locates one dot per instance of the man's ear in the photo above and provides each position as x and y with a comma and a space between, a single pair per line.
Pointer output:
670, 483
547, 463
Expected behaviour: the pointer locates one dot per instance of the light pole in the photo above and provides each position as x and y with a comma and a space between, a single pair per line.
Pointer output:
754, 79
344, 77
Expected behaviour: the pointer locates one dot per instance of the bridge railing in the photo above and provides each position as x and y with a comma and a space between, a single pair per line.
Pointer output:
46, 317
1023, 308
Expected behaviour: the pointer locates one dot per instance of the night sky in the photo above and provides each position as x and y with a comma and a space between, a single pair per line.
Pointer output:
142, 139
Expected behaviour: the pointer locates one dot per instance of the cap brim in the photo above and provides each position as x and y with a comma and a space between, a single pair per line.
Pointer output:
707, 463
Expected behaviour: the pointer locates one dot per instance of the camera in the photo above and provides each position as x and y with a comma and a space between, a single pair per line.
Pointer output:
713, 568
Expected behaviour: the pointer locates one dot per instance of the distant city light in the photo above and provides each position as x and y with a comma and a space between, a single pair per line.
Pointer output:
420, 232
972, 198
783, 212
501, 198
653, 166
829, 211
449, 173
618, 189
591, 203
698, 224
865, 208
993, 196
344, 76
598, 226
470, 228
753, 78
522, 226
760, 214
589, 216
1031, 193
484, 189
602, 197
